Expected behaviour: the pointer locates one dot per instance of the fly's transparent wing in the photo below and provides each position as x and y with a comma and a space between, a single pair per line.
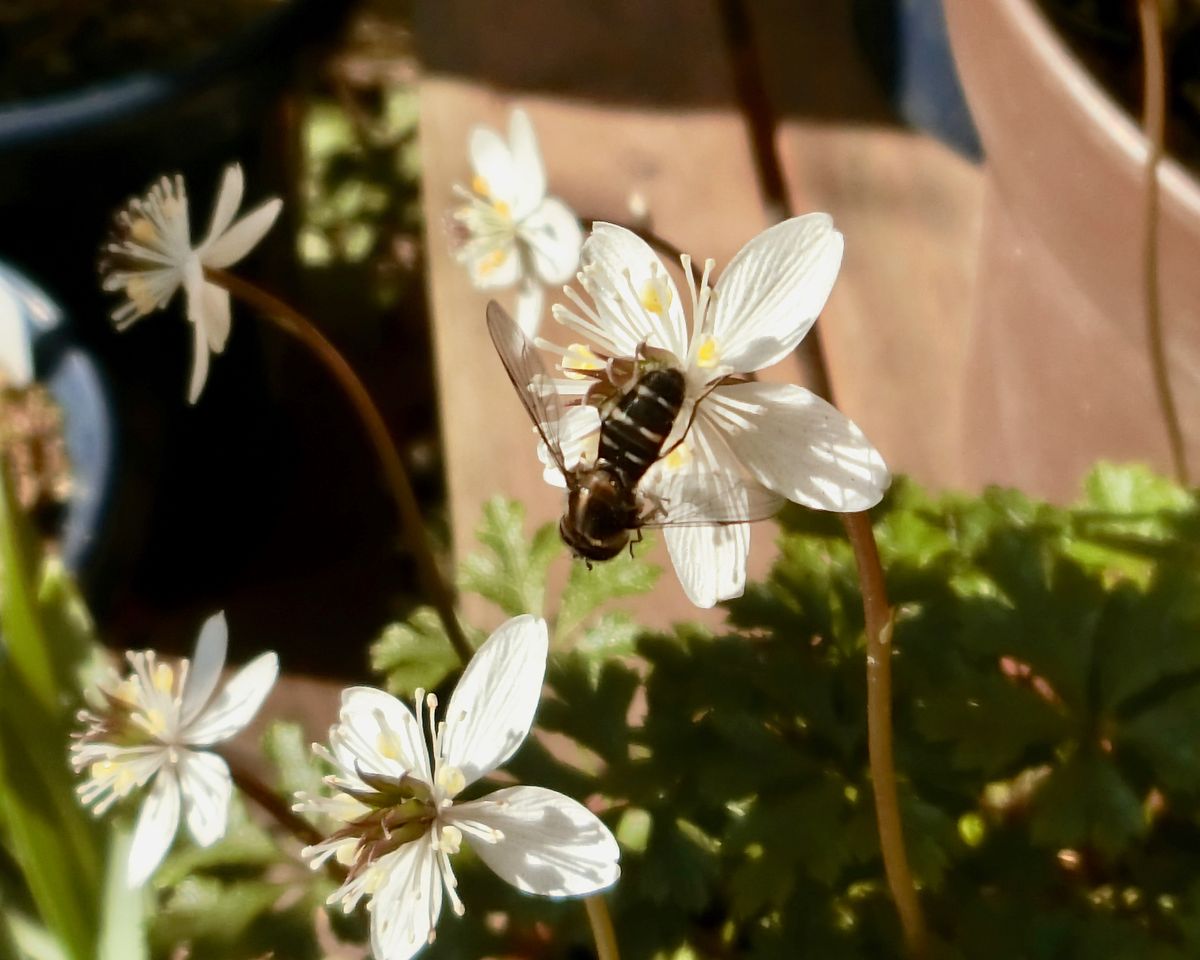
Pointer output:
528, 375
709, 498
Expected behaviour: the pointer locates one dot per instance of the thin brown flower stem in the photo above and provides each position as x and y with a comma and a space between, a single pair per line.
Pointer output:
1154, 82
296, 324
272, 805
602, 927
878, 616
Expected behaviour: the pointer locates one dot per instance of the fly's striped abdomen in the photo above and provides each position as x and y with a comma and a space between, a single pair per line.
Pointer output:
632, 435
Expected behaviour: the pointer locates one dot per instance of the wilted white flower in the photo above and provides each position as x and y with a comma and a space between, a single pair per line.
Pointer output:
745, 438
515, 235
398, 796
153, 726
150, 256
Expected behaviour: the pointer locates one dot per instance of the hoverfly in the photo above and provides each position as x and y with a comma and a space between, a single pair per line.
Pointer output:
604, 504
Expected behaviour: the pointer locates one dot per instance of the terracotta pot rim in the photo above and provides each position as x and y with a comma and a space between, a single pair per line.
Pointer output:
1024, 18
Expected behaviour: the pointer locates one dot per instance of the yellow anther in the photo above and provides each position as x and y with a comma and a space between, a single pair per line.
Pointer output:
156, 723
450, 841
480, 186
121, 776
451, 781
492, 262
388, 745
142, 230
345, 853
502, 208
128, 691
656, 295
580, 357
138, 291
164, 678
709, 354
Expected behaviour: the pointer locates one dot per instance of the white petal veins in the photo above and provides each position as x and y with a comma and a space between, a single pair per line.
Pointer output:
548, 844
381, 735
207, 787
237, 703
405, 910
492, 708
156, 826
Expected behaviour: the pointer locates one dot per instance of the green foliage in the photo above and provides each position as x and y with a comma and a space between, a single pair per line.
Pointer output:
1047, 723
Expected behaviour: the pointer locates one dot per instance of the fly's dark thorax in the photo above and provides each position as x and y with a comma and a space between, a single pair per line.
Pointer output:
633, 433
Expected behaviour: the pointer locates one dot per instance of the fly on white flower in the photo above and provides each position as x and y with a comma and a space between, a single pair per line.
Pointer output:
398, 795
150, 256
733, 441
152, 727
513, 233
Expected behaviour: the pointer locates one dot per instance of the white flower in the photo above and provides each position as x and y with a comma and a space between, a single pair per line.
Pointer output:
150, 256
515, 234
745, 438
397, 796
152, 728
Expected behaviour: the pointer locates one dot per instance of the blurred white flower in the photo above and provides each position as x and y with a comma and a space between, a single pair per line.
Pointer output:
153, 725
150, 256
515, 235
745, 437
397, 796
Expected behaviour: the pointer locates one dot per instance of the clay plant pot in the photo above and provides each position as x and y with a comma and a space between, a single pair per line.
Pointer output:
1058, 364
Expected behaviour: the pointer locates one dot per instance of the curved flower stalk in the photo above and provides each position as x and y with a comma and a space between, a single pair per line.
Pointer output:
152, 727
398, 798
751, 439
150, 256
514, 234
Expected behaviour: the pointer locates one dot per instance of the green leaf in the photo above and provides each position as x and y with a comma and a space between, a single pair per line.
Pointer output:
299, 769
622, 576
415, 654
511, 573
1085, 802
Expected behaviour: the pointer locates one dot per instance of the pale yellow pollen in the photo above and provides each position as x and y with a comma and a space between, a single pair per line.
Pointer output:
502, 208
580, 357
709, 354
492, 262
388, 745
345, 853
451, 781
450, 842
656, 295
678, 458
138, 291
122, 777
164, 678
128, 691
156, 723
480, 186
142, 230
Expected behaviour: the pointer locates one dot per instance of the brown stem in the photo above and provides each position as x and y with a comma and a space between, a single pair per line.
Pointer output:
411, 523
602, 927
271, 804
1153, 126
878, 617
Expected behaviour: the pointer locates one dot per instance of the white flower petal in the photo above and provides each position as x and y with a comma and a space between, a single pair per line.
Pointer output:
216, 312
555, 239
492, 708
199, 362
710, 561
492, 261
530, 298
236, 704
206, 785
156, 826
549, 844
205, 668
798, 445
242, 237
769, 296
405, 910
492, 162
229, 198
620, 272
528, 172
359, 740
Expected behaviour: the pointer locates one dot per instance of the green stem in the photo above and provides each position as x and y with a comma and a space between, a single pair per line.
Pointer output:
272, 805
878, 617
296, 324
1154, 81
602, 928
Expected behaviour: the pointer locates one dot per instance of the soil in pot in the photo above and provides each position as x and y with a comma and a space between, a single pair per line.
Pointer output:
1104, 35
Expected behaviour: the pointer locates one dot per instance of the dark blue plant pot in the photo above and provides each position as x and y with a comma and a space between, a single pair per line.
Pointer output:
76, 382
908, 47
